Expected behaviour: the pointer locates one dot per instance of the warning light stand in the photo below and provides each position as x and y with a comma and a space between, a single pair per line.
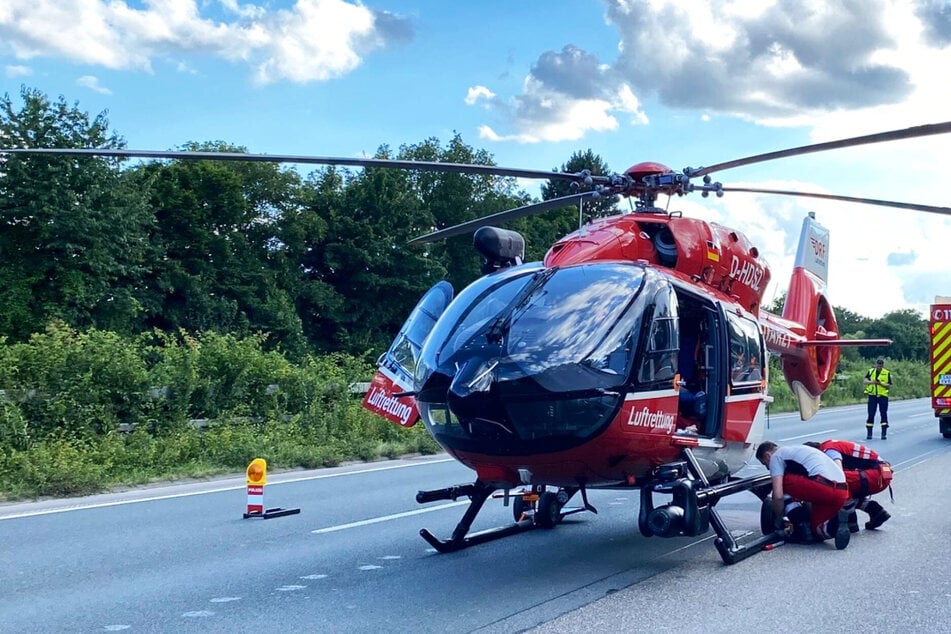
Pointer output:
257, 478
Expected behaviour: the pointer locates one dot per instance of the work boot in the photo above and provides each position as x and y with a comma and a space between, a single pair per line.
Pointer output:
877, 519
853, 522
884, 433
869, 435
842, 534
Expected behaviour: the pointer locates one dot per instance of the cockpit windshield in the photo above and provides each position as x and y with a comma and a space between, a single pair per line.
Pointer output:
570, 329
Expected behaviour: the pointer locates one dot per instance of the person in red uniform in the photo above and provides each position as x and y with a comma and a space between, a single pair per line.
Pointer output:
808, 475
866, 474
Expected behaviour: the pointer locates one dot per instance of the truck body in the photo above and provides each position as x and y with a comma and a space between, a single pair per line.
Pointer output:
940, 343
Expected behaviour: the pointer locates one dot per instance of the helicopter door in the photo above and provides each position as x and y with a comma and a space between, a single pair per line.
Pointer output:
395, 368
653, 401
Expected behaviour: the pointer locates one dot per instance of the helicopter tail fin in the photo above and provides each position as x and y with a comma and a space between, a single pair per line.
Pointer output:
810, 370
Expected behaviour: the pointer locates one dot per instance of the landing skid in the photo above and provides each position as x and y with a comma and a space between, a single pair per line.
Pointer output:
542, 509
691, 510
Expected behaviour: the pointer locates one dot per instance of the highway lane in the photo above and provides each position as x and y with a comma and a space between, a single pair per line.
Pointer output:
180, 558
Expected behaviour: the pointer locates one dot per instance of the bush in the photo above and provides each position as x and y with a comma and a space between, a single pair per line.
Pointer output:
58, 466
68, 393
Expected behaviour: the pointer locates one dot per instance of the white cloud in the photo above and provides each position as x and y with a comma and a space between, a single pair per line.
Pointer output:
478, 93
92, 83
315, 40
250, 11
568, 121
841, 66
544, 112
15, 70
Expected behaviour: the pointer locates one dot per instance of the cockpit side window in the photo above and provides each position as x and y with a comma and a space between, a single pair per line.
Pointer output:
658, 364
403, 355
746, 351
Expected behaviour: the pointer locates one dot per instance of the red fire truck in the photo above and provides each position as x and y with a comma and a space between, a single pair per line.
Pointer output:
941, 363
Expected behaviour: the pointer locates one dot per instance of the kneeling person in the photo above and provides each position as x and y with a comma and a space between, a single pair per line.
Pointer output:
866, 474
808, 475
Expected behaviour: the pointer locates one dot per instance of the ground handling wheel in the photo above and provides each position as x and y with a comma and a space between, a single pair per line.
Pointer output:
548, 512
523, 505
767, 518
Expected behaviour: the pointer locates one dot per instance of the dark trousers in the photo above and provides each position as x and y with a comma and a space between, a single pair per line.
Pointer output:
881, 404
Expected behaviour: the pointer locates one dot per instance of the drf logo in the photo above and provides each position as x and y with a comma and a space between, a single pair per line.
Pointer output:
818, 247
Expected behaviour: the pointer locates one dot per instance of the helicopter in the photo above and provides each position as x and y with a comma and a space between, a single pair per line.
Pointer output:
632, 356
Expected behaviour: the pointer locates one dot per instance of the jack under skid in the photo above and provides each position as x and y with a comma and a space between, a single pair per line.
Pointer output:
532, 509
691, 511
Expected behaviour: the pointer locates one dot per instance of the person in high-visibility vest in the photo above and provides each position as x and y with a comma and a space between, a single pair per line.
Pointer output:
877, 382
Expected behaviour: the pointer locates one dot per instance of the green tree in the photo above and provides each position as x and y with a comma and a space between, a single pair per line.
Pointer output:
219, 262
546, 228
850, 323
302, 233
375, 275
73, 234
908, 331
447, 199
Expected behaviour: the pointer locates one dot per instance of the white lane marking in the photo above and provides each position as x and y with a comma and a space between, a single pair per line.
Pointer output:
314, 577
198, 614
914, 461
370, 567
225, 599
116, 628
385, 518
914, 464
172, 496
292, 588
390, 557
815, 433
358, 471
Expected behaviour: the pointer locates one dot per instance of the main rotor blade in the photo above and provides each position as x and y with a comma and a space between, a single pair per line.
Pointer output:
503, 216
881, 137
431, 166
946, 211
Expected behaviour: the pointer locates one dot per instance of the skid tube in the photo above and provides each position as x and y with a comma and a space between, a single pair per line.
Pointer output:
478, 492
692, 510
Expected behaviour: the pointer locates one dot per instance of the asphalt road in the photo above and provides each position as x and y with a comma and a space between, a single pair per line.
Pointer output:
181, 559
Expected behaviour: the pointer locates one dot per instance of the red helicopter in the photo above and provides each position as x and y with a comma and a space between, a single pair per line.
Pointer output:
633, 356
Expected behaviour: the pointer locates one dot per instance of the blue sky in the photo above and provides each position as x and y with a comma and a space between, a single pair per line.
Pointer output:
685, 83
